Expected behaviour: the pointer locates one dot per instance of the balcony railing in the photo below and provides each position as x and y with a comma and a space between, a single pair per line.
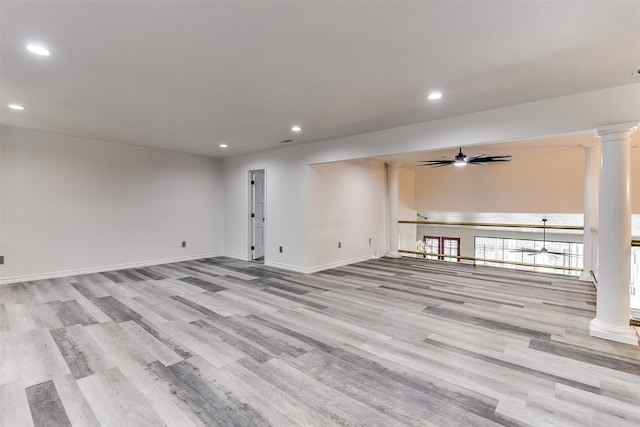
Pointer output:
473, 259
498, 261
476, 259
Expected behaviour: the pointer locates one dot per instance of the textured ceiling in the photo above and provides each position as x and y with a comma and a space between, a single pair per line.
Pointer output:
187, 75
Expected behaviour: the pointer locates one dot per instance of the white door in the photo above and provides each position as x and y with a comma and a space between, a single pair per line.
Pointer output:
257, 216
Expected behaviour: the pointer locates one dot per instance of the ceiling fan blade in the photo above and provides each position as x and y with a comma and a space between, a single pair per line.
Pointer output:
437, 163
442, 159
564, 254
475, 156
490, 159
526, 251
478, 159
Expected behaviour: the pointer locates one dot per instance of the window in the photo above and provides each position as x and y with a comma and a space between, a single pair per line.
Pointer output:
431, 245
451, 246
502, 249
442, 245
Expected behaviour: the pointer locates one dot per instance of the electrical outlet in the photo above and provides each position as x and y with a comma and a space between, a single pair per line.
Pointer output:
184, 243
1, 259
369, 241
339, 245
280, 249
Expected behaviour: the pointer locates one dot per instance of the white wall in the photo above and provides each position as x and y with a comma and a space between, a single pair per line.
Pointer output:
407, 208
556, 116
70, 205
299, 198
347, 204
1, 232
285, 205
287, 178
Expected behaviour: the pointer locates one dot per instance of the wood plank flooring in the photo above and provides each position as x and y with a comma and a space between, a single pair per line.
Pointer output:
389, 342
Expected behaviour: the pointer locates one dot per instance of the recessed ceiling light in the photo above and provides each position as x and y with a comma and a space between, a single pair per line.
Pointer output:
223, 145
296, 128
434, 95
16, 107
38, 49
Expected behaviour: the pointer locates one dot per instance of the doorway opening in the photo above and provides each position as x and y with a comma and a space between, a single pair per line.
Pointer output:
256, 215
442, 245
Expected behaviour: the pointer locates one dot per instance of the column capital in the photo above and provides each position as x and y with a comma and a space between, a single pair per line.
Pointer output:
616, 128
590, 147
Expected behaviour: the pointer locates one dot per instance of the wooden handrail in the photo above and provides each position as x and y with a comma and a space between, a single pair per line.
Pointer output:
492, 224
635, 243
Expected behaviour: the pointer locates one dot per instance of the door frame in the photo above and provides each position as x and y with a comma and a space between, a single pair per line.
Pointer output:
441, 240
250, 237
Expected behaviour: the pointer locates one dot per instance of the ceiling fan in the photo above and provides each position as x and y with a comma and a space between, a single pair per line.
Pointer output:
462, 159
544, 249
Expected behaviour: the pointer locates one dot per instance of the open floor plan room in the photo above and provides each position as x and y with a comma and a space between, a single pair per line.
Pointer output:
389, 342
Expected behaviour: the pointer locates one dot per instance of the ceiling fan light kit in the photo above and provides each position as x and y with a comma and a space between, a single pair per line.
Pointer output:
462, 159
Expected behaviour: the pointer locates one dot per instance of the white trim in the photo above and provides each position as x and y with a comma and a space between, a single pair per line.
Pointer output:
616, 127
236, 256
309, 270
624, 334
66, 273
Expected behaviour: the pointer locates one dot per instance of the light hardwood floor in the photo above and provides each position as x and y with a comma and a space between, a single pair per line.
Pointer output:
220, 342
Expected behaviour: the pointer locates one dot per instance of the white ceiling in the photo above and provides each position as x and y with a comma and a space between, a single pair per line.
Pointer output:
187, 75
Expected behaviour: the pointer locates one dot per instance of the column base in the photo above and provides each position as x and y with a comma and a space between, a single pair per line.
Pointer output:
393, 255
623, 334
585, 276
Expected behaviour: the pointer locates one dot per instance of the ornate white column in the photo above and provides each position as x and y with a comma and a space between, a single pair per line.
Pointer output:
614, 236
393, 192
591, 197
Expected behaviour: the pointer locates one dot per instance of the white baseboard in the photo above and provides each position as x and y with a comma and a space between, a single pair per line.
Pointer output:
66, 273
235, 256
309, 270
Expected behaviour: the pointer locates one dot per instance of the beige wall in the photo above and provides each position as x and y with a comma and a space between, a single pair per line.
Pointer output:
407, 207
635, 174
535, 181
